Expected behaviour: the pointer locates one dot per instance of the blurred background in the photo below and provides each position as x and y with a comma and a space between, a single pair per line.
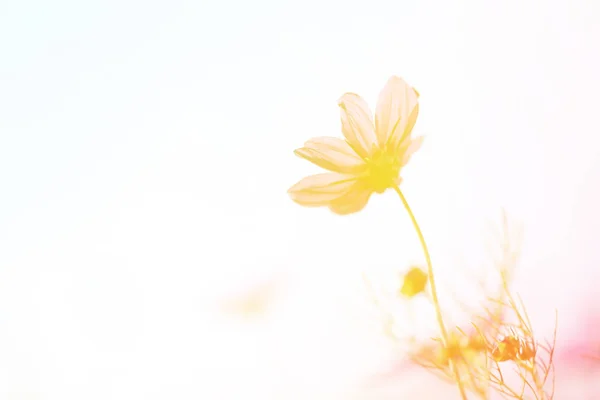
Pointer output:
149, 250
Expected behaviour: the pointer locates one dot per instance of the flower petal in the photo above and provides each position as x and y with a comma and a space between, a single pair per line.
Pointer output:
357, 123
397, 111
333, 154
352, 201
321, 189
408, 149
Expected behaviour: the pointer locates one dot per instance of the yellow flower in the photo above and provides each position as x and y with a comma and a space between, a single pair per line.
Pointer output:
371, 156
413, 282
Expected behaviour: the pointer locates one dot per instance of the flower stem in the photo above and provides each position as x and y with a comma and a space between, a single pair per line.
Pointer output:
434, 296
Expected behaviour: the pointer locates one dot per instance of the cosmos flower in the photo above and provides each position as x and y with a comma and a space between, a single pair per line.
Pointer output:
371, 156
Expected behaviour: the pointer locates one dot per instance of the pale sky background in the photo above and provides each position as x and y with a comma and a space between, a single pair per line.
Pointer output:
145, 152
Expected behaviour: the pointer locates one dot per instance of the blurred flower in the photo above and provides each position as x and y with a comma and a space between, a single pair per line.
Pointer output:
254, 301
371, 156
465, 352
462, 348
514, 347
413, 282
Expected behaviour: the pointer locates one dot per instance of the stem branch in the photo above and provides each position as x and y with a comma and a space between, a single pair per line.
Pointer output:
434, 296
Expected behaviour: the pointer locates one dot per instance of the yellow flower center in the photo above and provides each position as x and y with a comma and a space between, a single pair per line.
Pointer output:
383, 170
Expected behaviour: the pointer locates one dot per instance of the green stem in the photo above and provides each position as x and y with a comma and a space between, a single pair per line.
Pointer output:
434, 296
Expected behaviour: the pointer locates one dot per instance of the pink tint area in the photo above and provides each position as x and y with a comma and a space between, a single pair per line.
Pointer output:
578, 356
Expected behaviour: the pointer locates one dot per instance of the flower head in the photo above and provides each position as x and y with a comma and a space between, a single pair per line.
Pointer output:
371, 156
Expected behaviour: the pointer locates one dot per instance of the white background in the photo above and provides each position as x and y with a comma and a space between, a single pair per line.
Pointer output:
146, 149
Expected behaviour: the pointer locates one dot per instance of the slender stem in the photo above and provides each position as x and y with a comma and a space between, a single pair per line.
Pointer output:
434, 296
